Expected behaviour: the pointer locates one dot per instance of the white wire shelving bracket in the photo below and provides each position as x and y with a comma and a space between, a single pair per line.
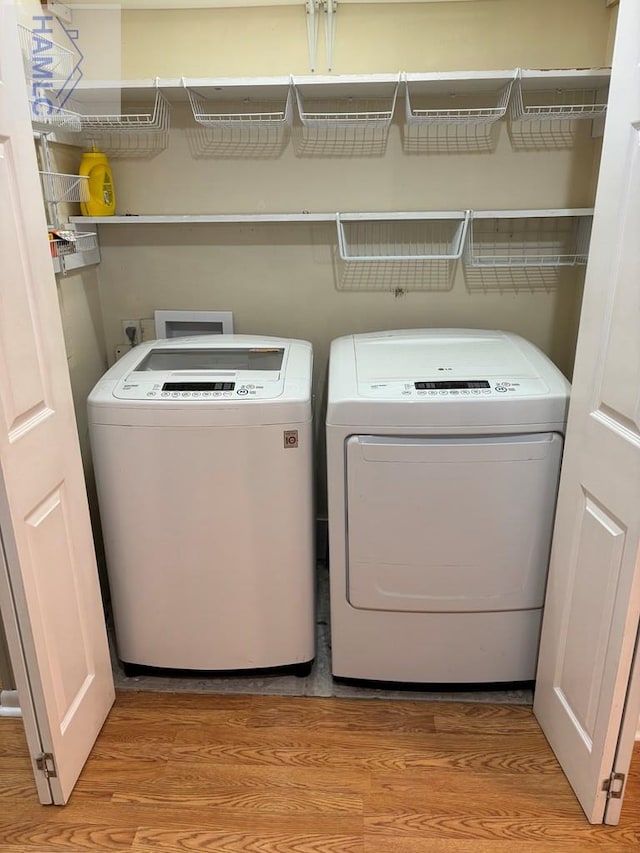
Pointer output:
330, 9
311, 9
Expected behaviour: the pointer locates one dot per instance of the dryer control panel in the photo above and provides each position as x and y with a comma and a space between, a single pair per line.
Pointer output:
452, 388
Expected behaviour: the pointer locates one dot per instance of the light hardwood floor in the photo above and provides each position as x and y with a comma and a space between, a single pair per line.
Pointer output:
179, 773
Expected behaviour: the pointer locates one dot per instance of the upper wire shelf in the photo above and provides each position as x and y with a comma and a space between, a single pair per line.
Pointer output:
57, 187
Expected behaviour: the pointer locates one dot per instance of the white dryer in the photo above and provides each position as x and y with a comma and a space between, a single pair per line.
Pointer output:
443, 452
202, 450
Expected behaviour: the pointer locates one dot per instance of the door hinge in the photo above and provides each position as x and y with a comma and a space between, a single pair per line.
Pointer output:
614, 786
47, 765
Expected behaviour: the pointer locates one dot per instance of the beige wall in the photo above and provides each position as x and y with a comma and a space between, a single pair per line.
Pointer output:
478, 34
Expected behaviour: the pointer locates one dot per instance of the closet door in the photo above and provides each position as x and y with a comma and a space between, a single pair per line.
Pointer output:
589, 636
49, 589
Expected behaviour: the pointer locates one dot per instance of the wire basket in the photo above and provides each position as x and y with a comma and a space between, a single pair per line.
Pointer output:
44, 59
534, 241
401, 252
138, 130
240, 127
556, 104
450, 116
62, 243
57, 187
135, 119
524, 253
344, 123
47, 116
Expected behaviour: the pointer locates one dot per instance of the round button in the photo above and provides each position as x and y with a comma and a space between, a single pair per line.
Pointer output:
444, 393
242, 391
227, 394
175, 394
151, 393
500, 389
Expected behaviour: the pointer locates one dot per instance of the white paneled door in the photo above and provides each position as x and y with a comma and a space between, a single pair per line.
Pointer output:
49, 587
593, 598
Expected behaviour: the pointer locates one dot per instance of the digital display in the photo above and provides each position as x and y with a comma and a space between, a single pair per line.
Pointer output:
447, 385
198, 386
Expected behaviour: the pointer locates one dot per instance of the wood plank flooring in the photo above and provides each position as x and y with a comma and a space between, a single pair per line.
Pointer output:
179, 773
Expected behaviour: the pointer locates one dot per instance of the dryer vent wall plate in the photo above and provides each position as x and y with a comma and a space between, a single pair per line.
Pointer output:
180, 324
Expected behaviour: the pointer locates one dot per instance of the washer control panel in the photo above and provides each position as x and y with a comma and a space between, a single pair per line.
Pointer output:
194, 390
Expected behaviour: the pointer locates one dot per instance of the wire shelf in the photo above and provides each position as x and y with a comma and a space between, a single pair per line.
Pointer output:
57, 187
44, 59
401, 252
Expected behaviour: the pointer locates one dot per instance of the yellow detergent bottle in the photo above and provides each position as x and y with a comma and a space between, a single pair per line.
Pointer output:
102, 197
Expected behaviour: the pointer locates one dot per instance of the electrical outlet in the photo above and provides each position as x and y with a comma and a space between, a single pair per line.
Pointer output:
136, 337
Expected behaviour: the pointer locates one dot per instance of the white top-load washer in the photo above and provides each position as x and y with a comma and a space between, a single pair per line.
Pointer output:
443, 453
202, 450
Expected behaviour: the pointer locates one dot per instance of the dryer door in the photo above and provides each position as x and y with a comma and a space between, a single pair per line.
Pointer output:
451, 524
